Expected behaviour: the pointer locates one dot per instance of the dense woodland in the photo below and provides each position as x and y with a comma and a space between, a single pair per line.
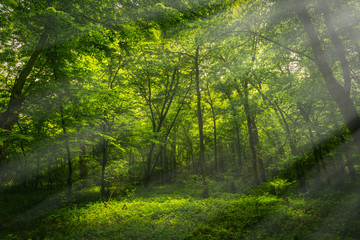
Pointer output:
103, 103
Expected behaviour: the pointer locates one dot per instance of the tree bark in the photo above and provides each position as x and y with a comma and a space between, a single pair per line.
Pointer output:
214, 127
339, 93
104, 161
339, 47
83, 165
173, 162
237, 130
11, 114
200, 122
24, 158
252, 134
68, 154
148, 166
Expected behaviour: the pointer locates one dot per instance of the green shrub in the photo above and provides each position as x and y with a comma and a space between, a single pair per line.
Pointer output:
279, 186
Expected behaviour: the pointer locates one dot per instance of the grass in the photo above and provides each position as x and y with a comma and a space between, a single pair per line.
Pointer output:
177, 211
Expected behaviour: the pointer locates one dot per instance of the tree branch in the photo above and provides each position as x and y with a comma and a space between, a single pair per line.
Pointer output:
277, 43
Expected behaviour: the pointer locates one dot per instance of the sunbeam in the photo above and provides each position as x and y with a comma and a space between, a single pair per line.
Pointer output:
182, 119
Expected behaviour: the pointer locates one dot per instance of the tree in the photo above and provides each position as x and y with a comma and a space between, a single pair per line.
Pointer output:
200, 121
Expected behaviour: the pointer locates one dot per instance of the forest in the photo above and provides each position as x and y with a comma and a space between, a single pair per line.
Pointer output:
179, 119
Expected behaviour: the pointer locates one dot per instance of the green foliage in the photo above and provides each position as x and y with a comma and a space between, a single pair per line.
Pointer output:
237, 220
167, 212
279, 186
138, 215
265, 216
107, 104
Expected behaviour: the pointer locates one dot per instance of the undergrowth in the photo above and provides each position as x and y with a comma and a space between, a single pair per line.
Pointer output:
273, 210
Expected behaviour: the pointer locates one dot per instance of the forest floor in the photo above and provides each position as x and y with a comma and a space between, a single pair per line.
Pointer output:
273, 210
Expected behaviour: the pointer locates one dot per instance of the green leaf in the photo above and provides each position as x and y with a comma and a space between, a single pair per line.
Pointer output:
118, 146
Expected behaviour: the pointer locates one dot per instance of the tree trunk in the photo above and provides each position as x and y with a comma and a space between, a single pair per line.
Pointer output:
340, 94
83, 165
339, 47
69, 179
291, 138
173, 161
131, 164
238, 145
252, 138
214, 127
11, 114
68, 154
24, 158
102, 190
200, 123
104, 161
148, 166
37, 177
167, 174
237, 130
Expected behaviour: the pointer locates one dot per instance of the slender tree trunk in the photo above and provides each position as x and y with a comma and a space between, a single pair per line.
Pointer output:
174, 163
238, 146
68, 154
215, 146
237, 130
24, 173
102, 190
131, 164
316, 149
50, 179
222, 162
253, 133
148, 165
200, 123
37, 178
167, 173
214, 127
69, 179
290, 135
104, 161
340, 94
83, 165
252, 137
233, 153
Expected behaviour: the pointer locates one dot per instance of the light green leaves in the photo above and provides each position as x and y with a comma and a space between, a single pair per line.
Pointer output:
57, 22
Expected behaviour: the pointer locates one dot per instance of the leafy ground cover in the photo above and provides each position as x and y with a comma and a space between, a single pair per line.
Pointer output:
328, 212
177, 211
163, 212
